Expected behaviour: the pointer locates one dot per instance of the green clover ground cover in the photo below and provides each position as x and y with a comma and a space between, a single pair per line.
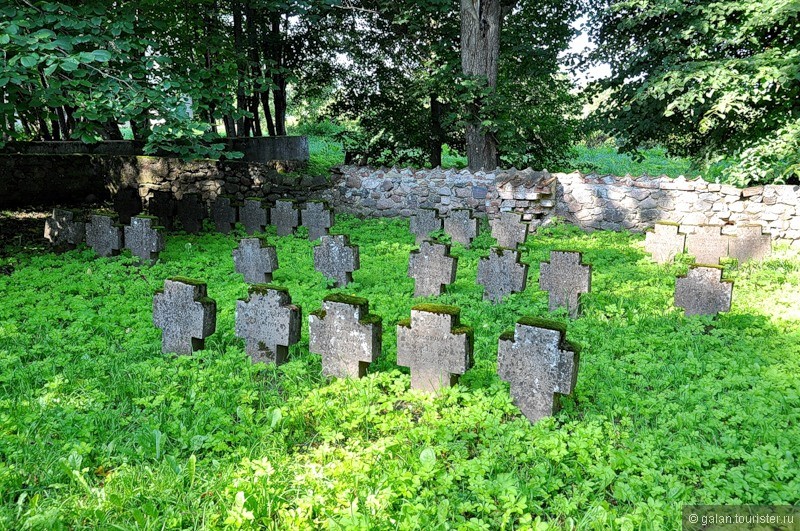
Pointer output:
99, 430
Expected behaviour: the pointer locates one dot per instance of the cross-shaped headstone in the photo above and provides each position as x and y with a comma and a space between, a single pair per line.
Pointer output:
707, 244
346, 335
335, 258
223, 212
103, 234
565, 278
509, 230
539, 364
63, 230
461, 226
501, 274
750, 244
191, 211
423, 222
432, 268
664, 243
143, 237
162, 206
285, 217
185, 314
253, 215
318, 218
127, 204
268, 322
255, 260
435, 346
703, 292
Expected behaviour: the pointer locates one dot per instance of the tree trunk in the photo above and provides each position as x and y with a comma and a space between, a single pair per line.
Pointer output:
241, 71
267, 113
481, 22
278, 78
437, 134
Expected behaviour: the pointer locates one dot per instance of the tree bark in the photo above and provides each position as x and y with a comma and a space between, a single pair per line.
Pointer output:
278, 77
241, 70
481, 22
437, 134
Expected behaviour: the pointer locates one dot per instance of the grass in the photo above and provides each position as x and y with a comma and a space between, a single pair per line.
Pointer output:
100, 430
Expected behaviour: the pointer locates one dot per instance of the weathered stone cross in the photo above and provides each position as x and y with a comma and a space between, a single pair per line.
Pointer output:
435, 346
104, 235
253, 215
461, 226
268, 322
335, 258
185, 314
703, 292
665, 242
223, 212
127, 203
62, 229
285, 217
191, 211
501, 274
432, 268
162, 206
423, 222
750, 244
565, 278
509, 230
143, 237
539, 364
707, 244
255, 260
318, 218
346, 335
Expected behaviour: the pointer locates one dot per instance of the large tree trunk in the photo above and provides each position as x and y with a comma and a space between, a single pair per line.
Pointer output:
278, 78
437, 134
241, 70
481, 21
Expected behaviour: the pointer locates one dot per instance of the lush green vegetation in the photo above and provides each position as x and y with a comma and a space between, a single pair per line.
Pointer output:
99, 430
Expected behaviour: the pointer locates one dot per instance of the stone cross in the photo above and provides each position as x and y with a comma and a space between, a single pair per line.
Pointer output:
127, 204
191, 212
423, 222
750, 244
318, 218
253, 215
346, 335
664, 243
565, 278
539, 364
335, 258
509, 230
435, 346
223, 212
461, 226
707, 244
703, 292
144, 238
268, 322
501, 274
285, 217
432, 268
255, 260
104, 235
62, 229
162, 206
185, 314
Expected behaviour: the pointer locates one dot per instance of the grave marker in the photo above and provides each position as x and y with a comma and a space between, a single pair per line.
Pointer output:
253, 215
191, 212
461, 226
162, 206
144, 238
318, 218
435, 346
255, 260
431, 267
224, 214
346, 335
268, 322
565, 278
707, 244
665, 242
285, 217
185, 314
103, 234
750, 243
423, 222
539, 364
509, 230
335, 258
127, 204
703, 292
501, 274
63, 230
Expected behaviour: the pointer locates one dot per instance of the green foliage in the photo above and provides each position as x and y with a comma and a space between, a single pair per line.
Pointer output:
607, 160
710, 80
100, 430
